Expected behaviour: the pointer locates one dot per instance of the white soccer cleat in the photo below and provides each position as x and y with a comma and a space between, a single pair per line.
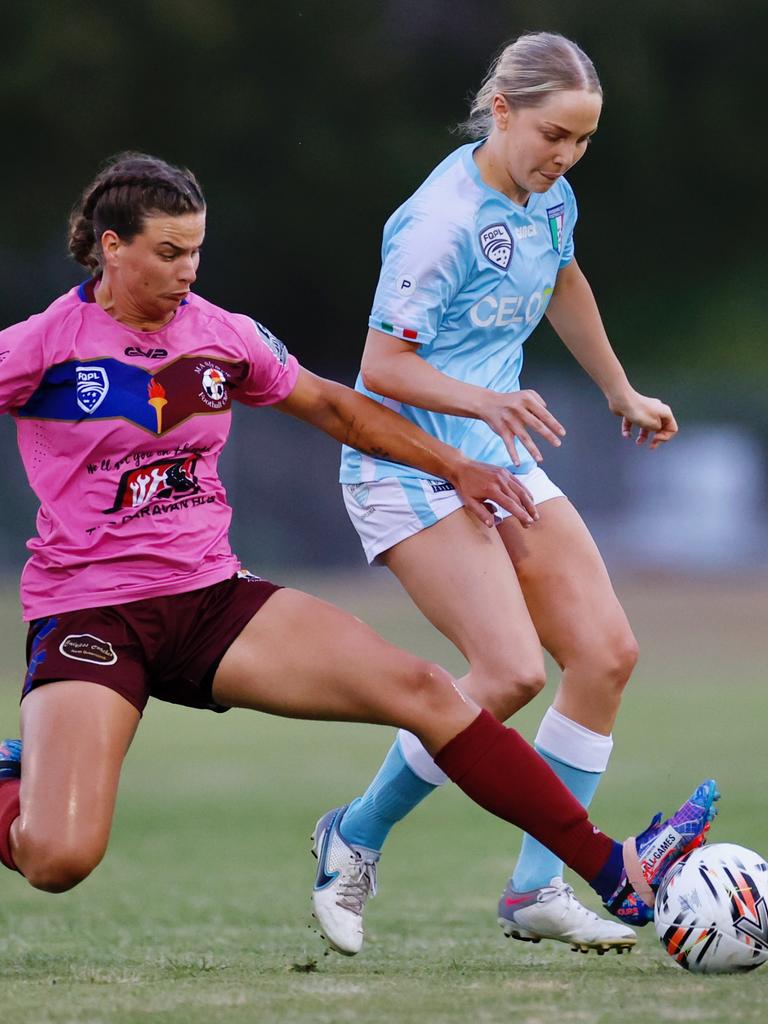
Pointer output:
553, 912
346, 877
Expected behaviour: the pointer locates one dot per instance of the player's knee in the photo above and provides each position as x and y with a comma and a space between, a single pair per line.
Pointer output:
629, 653
522, 684
433, 685
619, 660
503, 690
55, 867
611, 663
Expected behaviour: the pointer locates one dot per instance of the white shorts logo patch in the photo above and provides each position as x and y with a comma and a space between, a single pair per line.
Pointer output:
497, 245
359, 493
85, 647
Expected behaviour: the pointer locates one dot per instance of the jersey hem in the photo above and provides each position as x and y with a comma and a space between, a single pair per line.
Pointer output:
42, 609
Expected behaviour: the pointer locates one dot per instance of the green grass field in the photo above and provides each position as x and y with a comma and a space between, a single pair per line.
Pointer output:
199, 912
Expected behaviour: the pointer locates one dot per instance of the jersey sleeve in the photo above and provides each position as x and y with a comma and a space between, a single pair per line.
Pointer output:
571, 215
425, 261
272, 369
22, 364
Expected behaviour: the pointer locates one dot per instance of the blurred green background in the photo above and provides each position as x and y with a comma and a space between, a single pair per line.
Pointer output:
199, 913
309, 122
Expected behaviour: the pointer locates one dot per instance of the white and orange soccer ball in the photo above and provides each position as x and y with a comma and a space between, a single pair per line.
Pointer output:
712, 910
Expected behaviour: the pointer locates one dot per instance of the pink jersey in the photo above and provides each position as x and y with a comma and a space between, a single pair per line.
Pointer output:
120, 432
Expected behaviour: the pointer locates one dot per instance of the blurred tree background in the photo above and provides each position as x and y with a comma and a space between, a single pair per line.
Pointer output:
308, 122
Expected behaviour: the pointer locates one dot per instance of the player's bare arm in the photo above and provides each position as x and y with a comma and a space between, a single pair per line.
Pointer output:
369, 427
392, 367
574, 315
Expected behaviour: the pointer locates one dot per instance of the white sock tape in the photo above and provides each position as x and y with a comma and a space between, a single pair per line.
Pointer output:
418, 760
573, 744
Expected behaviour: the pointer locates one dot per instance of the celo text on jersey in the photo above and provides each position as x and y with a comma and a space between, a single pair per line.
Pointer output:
507, 310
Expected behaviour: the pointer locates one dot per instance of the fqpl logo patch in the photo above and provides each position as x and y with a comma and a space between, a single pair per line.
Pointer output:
497, 245
91, 385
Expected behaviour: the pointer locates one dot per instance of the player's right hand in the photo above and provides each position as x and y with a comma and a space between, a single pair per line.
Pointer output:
513, 415
477, 483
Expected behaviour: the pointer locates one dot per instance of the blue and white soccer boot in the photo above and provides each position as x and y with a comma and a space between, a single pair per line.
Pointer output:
649, 856
346, 878
553, 912
10, 760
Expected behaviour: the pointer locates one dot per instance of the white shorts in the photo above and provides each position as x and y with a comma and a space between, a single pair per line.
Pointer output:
384, 512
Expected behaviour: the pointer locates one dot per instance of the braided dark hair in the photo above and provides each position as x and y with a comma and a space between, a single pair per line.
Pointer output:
126, 190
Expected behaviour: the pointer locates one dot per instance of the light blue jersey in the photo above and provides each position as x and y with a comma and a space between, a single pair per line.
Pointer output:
466, 276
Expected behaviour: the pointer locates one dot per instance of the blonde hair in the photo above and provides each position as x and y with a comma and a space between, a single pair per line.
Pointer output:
526, 71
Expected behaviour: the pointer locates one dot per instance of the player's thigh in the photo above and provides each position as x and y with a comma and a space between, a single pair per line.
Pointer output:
75, 736
459, 575
567, 589
301, 657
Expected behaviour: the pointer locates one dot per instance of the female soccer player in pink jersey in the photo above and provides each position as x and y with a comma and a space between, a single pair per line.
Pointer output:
471, 263
121, 391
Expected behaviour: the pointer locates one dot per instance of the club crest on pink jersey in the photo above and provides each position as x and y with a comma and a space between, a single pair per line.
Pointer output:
213, 385
92, 385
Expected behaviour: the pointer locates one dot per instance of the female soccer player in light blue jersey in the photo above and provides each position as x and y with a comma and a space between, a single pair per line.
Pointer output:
471, 263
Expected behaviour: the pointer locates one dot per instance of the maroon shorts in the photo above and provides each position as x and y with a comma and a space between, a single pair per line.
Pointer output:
164, 647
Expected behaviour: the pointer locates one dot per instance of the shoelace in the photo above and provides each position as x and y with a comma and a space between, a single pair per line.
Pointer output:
570, 900
361, 883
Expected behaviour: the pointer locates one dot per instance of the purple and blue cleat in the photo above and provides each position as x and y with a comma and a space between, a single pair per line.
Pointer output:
10, 760
649, 856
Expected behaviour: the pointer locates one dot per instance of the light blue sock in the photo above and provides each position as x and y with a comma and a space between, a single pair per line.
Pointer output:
394, 791
536, 865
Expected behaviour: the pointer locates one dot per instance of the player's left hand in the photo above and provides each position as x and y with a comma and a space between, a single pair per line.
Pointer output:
653, 418
478, 483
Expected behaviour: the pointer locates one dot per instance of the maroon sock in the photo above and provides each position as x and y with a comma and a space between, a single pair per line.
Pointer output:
498, 770
9, 812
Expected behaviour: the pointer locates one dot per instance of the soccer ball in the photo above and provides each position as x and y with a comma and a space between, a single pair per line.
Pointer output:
712, 910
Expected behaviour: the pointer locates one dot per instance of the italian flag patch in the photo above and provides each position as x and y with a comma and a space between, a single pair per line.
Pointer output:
400, 332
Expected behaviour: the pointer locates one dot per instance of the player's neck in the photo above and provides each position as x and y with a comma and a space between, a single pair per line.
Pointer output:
120, 307
495, 174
